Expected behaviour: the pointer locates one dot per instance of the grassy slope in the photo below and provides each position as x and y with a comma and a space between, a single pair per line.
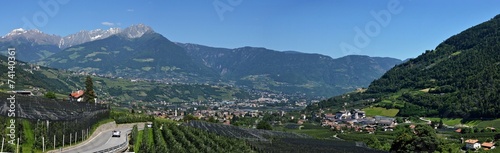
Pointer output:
374, 111
489, 123
476, 123
447, 121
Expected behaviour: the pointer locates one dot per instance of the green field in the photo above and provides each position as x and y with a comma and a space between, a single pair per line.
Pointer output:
374, 111
477, 123
489, 123
447, 121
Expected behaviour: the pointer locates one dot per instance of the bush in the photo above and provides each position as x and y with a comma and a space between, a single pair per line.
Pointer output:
50, 95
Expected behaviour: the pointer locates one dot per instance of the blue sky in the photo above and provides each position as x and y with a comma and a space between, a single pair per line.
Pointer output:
322, 26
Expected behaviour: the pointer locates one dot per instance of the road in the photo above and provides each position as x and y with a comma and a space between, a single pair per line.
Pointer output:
102, 141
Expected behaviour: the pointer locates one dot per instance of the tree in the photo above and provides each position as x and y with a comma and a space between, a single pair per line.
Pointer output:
497, 137
50, 95
441, 124
89, 95
488, 140
264, 125
212, 119
189, 117
422, 138
399, 120
374, 143
133, 136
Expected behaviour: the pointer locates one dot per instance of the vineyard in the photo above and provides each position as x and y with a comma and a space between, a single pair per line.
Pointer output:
243, 133
199, 136
166, 137
121, 117
39, 108
44, 124
277, 141
301, 145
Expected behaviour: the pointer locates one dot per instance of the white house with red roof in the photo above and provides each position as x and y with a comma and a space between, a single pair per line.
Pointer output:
76, 96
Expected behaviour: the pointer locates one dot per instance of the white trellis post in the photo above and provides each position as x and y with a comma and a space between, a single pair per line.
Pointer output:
43, 144
3, 139
17, 150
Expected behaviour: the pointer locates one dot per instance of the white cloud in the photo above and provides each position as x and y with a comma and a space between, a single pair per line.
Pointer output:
130, 10
107, 23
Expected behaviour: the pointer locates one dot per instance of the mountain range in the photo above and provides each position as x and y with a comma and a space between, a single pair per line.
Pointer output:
291, 71
139, 52
43, 45
460, 78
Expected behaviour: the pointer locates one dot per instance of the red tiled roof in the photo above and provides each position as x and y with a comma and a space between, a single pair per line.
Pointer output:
488, 144
471, 141
77, 94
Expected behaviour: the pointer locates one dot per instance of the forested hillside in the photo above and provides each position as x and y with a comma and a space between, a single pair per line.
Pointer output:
459, 78
290, 71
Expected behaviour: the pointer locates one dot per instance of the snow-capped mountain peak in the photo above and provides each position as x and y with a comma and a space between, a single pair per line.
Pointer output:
15, 32
34, 35
136, 31
18, 30
86, 36
83, 36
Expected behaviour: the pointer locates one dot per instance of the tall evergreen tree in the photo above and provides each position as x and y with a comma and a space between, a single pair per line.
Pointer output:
89, 95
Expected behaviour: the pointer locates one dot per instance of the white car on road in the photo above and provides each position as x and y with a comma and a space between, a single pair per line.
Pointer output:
116, 133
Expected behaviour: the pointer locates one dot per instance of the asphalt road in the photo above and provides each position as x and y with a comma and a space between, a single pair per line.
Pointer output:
102, 141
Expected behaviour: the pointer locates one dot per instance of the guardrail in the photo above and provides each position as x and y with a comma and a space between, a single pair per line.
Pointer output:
117, 147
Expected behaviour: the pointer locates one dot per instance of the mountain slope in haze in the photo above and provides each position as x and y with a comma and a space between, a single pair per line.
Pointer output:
460, 78
136, 52
291, 71
121, 92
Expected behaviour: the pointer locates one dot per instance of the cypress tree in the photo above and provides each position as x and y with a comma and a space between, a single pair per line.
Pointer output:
89, 95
